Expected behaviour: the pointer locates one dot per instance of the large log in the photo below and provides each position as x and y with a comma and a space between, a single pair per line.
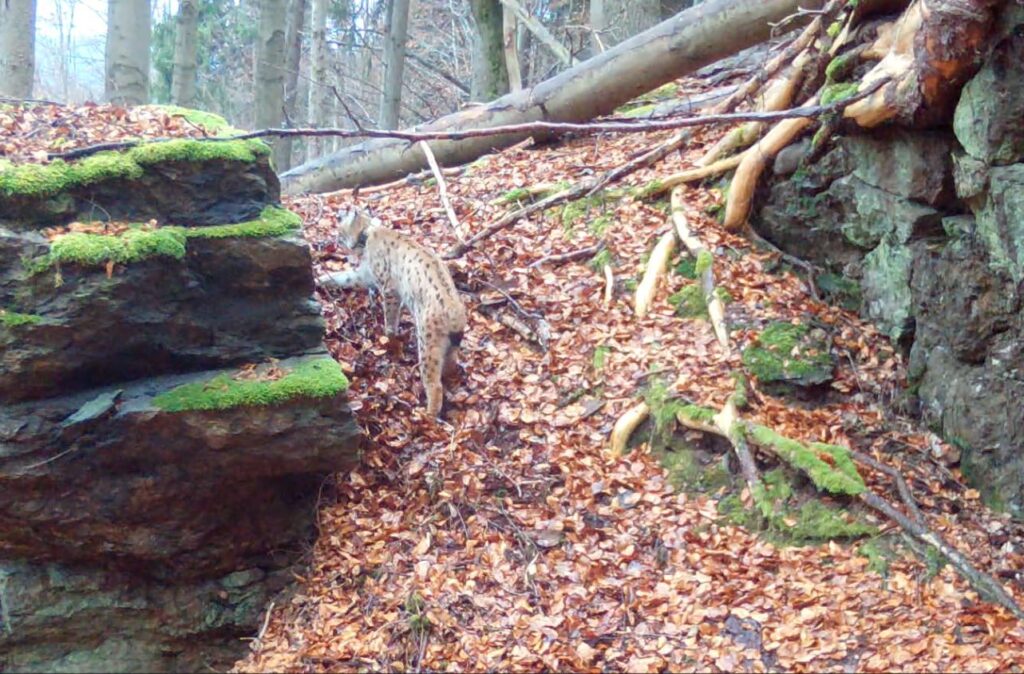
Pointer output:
681, 45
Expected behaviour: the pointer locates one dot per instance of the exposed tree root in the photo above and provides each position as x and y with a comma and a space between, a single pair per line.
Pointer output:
778, 96
624, 427
741, 191
693, 175
705, 272
654, 273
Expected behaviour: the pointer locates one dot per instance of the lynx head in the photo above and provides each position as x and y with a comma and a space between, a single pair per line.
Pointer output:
353, 225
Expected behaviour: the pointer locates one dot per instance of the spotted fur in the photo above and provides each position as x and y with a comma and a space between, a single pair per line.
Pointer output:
407, 275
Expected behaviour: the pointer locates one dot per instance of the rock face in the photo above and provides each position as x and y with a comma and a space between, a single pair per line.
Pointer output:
930, 226
167, 412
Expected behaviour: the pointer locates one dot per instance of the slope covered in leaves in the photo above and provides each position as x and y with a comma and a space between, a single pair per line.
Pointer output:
509, 541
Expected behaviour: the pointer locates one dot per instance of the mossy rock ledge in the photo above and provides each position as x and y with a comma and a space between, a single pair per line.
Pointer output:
168, 414
925, 230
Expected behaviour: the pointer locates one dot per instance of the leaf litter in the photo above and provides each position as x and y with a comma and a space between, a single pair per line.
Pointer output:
508, 540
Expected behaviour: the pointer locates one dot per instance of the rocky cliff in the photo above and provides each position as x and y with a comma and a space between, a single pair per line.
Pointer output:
923, 231
167, 410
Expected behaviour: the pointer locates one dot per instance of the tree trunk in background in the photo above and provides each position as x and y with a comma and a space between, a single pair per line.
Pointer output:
394, 62
269, 96
293, 60
127, 52
616, 20
319, 85
685, 43
490, 77
186, 38
509, 26
17, 47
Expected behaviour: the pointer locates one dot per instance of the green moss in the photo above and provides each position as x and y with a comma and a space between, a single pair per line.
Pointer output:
739, 396
783, 354
321, 378
516, 195
723, 295
41, 180
833, 29
701, 415
840, 290
136, 244
602, 258
273, 221
600, 356
131, 246
785, 521
685, 472
837, 92
649, 189
599, 225
879, 552
687, 268
838, 67
689, 302
38, 180
187, 149
209, 121
640, 110
13, 319
704, 262
841, 478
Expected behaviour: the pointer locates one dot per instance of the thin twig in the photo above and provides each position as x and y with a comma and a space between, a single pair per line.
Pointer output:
572, 256
630, 126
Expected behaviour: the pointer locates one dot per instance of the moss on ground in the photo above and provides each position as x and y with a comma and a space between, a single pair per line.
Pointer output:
321, 378
787, 522
689, 302
137, 243
42, 180
837, 475
783, 354
13, 319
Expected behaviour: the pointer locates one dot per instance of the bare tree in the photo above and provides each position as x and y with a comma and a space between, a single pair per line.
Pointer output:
270, 67
127, 52
17, 47
490, 76
616, 20
186, 38
394, 61
293, 62
319, 87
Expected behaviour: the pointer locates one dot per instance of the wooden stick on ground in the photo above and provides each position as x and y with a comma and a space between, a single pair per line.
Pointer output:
442, 188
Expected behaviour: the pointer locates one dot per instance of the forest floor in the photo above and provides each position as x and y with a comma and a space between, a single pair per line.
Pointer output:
512, 541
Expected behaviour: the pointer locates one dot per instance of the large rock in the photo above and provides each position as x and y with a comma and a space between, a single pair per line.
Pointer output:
1001, 219
222, 304
168, 413
988, 120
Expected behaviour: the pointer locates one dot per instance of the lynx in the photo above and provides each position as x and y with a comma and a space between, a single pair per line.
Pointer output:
407, 275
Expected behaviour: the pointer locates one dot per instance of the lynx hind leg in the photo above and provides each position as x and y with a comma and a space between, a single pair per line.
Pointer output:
451, 359
432, 348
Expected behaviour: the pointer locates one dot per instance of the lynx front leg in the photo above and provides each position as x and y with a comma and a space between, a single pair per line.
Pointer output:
392, 311
345, 279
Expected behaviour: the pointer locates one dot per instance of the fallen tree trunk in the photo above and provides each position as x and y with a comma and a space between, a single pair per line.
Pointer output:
686, 42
